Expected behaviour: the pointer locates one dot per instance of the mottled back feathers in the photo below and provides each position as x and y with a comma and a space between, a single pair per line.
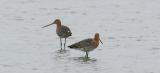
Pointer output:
84, 45
64, 32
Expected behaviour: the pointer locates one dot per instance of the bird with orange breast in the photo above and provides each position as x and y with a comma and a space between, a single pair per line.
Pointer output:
87, 45
62, 31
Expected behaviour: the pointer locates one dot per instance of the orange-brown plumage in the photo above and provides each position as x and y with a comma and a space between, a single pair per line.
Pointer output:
96, 39
87, 45
61, 30
58, 23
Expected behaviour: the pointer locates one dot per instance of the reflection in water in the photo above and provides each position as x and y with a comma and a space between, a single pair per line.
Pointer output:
61, 55
84, 60
64, 62
62, 51
86, 66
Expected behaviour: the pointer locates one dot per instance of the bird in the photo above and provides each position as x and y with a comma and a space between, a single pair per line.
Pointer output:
87, 45
62, 31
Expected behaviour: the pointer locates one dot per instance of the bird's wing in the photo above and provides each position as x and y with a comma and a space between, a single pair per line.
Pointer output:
82, 44
66, 30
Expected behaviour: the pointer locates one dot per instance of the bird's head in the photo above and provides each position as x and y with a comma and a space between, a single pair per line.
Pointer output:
57, 21
97, 38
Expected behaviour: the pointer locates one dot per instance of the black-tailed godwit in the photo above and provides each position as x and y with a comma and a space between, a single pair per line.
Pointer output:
87, 45
62, 31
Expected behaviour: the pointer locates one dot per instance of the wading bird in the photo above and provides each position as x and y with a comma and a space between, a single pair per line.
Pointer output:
87, 45
62, 31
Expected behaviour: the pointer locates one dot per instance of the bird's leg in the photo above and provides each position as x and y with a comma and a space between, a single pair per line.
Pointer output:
64, 43
86, 54
61, 43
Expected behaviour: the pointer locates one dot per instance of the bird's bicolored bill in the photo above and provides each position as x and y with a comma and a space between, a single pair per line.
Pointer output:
100, 41
48, 25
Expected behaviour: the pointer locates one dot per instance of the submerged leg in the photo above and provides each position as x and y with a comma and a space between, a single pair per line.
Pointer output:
86, 54
61, 43
65, 43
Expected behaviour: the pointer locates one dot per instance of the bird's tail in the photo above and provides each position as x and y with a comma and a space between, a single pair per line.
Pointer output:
74, 46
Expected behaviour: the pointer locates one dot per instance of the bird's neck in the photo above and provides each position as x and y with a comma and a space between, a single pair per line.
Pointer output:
58, 26
96, 41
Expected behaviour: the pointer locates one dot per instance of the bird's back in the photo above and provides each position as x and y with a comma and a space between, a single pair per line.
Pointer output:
88, 44
64, 32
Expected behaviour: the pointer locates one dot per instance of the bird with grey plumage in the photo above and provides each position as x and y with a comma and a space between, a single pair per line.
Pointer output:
87, 45
62, 31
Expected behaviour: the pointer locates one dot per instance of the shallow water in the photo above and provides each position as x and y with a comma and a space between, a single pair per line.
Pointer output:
129, 30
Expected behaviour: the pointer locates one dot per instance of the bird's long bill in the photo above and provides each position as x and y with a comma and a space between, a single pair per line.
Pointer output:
47, 25
101, 41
